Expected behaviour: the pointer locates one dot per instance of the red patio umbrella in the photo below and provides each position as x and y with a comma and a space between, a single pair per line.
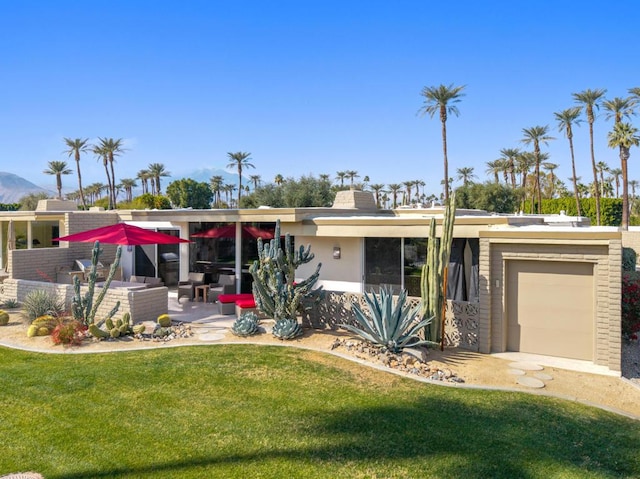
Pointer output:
229, 231
122, 234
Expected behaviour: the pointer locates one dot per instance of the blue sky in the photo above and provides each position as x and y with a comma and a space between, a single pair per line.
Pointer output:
308, 87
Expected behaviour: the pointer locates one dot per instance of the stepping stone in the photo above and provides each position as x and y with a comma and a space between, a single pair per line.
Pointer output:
530, 382
516, 372
543, 376
526, 366
210, 337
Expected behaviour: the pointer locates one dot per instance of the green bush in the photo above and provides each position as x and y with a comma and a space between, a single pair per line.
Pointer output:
629, 258
41, 303
153, 202
610, 209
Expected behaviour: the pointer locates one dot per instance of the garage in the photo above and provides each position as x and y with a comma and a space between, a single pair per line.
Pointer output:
550, 308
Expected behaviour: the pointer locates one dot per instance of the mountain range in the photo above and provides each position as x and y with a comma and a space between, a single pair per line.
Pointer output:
14, 187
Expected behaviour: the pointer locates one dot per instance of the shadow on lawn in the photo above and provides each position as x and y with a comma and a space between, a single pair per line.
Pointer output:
517, 437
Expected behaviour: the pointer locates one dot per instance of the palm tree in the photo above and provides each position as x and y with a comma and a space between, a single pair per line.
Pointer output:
255, 179
441, 100
509, 156
157, 171
494, 168
566, 119
351, 174
128, 184
465, 174
624, 136
76, 147
111, 148
239, 160
619, 108
616, 173
143, 176
591, 99
601, 166
376, 188
216, 182
551, 167
58, 168
102, 154
394, 189
408, 185
341, 175
279, 179
324, 177
633, 184
536, 135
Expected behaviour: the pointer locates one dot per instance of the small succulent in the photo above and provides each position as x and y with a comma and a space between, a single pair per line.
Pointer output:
11, 303
287, 328
246, 325
4, 318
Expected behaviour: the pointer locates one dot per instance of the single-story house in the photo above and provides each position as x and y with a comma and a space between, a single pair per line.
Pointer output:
547, 285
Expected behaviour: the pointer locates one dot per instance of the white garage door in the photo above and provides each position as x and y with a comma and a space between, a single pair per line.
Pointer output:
550, 308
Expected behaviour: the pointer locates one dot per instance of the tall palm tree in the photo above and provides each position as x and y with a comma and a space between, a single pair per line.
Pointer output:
494, 168
58, 168
465, 174
590, 99
441, 99
255, 179
324, 177
394, 189
551, 167
102, 154
128, 184
341, 175
566, 119
619, 108
601, 166
509, 156
408, 185
76, 147
536, 135
351, 174
624, 136
633, 184
240, 161
110, 149
216, 182
616, 173
157, 171
143, 176
376, 188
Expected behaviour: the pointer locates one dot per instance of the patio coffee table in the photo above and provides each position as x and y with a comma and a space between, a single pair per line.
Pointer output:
202, 290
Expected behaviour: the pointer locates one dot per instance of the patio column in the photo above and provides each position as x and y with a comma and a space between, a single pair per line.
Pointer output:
238, 256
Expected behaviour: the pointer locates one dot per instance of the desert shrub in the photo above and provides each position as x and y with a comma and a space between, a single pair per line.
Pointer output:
11, 303
630, 304
41, 303
69, 333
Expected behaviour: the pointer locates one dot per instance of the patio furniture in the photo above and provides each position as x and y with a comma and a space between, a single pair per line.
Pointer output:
187, 288
201, 291
228, 302
226, 285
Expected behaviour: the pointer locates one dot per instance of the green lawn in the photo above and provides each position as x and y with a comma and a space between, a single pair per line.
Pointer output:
244, 411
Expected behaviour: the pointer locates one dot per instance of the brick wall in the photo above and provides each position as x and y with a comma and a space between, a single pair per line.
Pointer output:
144, 305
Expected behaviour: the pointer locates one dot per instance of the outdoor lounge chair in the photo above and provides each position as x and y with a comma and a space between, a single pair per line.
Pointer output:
187, 288
226, 285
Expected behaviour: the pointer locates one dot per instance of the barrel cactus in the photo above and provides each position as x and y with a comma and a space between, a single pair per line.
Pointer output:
164, 320
287, 329
246, 325
4, 318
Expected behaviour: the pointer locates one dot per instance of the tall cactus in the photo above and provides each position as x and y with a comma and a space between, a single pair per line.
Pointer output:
275, 290
432, 280
83, 307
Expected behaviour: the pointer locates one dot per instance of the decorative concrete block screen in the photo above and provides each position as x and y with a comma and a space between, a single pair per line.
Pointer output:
144, 304
461, 321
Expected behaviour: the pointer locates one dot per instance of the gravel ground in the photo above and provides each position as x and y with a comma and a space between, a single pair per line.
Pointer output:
631, 360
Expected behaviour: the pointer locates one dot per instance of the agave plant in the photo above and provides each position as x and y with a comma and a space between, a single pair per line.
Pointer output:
389, 324
286, 328
246, 325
